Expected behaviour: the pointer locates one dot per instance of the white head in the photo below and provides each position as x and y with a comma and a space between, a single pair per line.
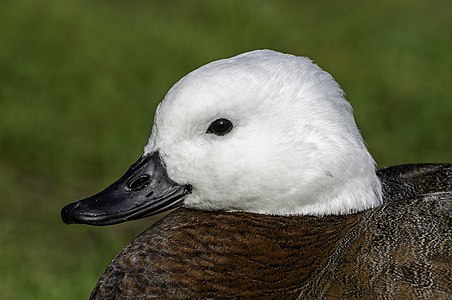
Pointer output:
294, 147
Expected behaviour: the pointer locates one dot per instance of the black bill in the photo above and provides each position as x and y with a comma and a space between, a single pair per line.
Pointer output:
144, 190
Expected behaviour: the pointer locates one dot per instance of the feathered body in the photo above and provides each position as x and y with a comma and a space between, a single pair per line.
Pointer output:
280, 196
399, 250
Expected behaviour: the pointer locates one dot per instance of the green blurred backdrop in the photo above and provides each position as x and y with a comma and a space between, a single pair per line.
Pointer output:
79, 82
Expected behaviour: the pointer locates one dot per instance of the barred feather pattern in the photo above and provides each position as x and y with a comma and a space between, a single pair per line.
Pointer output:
399, 250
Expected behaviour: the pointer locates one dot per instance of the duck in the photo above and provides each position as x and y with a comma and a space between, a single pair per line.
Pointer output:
273, 194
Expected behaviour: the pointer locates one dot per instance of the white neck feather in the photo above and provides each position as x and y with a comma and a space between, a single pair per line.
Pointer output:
294, 150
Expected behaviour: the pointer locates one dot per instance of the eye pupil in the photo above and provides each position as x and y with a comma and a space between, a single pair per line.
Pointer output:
220, 127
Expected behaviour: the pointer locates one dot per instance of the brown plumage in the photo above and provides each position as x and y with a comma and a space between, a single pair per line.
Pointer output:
399, 250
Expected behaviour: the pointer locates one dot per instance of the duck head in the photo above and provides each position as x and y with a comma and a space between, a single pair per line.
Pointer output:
261, 132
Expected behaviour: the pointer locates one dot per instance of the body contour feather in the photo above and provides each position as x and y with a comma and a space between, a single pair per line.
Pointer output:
399, 250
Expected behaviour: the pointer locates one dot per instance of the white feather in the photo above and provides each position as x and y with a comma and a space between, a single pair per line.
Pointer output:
295, 148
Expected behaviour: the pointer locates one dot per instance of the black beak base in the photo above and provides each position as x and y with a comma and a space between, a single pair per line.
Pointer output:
144, 190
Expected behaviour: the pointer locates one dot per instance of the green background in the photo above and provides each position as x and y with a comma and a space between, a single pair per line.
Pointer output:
79, 82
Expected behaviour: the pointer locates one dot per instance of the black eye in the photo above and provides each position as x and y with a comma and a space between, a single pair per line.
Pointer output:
220, 127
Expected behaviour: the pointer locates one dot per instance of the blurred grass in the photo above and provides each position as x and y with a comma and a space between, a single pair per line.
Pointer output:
79, 81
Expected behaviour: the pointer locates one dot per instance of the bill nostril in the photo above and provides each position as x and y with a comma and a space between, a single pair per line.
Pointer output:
139, 182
